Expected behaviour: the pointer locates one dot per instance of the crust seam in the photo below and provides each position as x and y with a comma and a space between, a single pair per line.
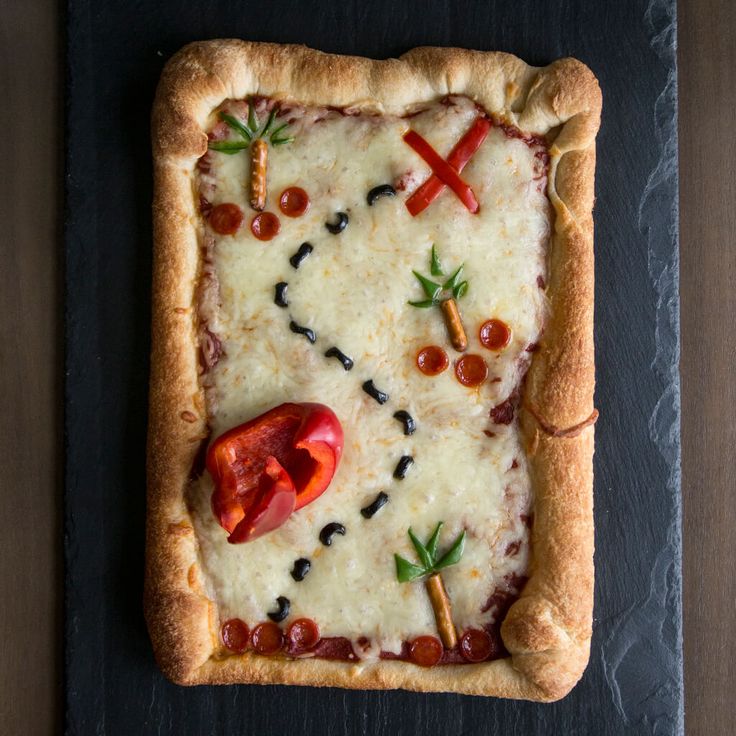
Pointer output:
562, 432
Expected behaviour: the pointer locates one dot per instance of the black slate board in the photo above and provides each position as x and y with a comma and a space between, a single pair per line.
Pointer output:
115, 53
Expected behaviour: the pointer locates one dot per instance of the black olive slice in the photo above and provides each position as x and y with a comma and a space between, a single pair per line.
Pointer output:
380, 396
384, 190
337, 227
407, 420
369, 511
306, 331
280, 298
334, 527
304, 250
284, 605
333, 352
402, 466
301, 567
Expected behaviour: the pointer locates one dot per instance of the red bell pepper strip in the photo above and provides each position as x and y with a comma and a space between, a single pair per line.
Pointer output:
271, 466
458, 158
442, 169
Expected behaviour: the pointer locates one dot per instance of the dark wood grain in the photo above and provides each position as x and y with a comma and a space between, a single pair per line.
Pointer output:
708, 266
30, 368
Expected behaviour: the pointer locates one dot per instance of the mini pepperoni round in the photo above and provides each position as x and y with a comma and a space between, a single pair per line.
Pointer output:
294, 202
494, 334
426, 651
265, 226
303, 634
471, 370
476, 646
432, 360
267, 638
226, 219
235, 634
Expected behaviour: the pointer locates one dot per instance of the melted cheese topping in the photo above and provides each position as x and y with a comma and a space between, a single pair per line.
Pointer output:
352, 291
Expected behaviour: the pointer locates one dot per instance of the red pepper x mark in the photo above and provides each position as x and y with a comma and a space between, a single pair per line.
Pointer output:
446, 173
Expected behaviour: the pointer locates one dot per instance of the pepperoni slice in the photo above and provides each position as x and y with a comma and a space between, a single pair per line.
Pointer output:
226, 218
336, 648
426, 651
476, 645
303, 634
432, 360
267, 638
235, 634
265, 226
294, 202
471, 370
494, 334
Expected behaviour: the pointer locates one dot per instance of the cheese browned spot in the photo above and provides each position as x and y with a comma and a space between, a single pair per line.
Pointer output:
352, 291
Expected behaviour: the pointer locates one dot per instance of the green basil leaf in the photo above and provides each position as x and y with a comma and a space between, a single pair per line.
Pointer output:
236, 125
434, 540
423, 304
252, 119
431, 289
435, 265
460, 290
453, 281
269, 122
424, 556
407, 571
453, 554
229, 147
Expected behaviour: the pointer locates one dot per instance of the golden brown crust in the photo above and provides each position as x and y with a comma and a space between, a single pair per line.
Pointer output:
547, 631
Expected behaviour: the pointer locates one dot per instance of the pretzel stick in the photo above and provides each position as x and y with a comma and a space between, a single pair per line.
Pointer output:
258, 162
442, 611
454, 325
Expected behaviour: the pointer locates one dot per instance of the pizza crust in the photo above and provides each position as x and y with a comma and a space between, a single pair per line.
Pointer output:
547, 631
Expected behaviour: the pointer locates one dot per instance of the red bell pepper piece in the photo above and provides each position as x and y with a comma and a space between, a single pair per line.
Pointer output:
442, 169
458, 158
271, 466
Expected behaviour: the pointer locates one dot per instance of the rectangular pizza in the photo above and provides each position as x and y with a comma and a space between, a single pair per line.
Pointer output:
371, 405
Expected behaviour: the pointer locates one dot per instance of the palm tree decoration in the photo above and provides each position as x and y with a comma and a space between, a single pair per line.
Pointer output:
430, 566
445, 296
254, 137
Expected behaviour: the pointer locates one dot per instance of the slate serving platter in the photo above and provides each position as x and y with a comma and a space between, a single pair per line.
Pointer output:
115, 53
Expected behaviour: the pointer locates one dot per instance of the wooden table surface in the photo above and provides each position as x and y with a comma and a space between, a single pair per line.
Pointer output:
31, 363
707, 80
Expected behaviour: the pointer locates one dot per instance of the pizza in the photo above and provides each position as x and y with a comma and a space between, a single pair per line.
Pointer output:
371, 405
